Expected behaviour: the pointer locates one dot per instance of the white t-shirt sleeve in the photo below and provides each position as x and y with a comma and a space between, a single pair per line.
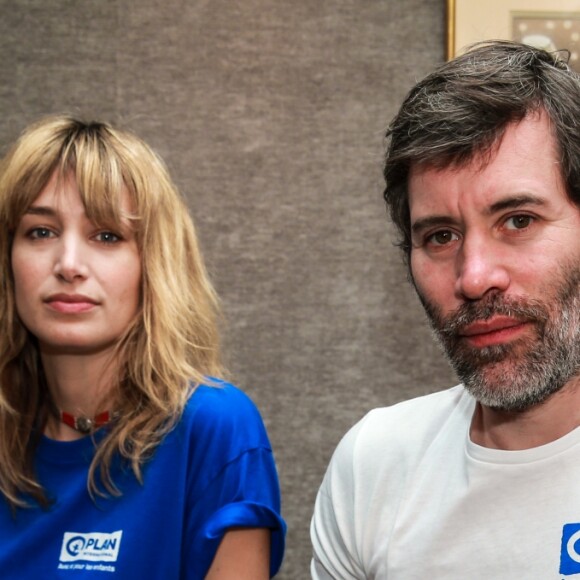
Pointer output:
333, 526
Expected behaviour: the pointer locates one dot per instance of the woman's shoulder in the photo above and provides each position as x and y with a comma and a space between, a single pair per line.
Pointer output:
217, 396
220, 409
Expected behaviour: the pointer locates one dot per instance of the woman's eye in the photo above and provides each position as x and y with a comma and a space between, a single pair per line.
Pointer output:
39, 233
518, 222
441, 238
108, 237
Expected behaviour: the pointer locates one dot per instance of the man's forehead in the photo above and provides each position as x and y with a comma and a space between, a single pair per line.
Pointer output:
482, 151
526, 156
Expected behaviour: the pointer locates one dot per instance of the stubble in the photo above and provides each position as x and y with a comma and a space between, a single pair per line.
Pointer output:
517, 375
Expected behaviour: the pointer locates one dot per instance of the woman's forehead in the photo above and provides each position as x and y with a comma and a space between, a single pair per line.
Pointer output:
98, 202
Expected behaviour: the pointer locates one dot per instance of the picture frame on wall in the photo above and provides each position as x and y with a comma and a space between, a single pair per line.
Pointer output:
549, 24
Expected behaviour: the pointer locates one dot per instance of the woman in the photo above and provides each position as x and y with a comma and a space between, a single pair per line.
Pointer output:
119, 456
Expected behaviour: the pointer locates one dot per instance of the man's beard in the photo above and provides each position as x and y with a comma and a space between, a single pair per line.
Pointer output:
516, 375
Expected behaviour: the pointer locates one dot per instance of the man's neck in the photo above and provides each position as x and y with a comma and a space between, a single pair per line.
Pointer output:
539, 425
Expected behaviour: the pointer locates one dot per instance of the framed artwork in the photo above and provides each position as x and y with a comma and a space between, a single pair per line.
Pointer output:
550, 24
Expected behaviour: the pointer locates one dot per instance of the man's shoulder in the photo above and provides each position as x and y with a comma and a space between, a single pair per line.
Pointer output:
386, 453
420, 413
406, 429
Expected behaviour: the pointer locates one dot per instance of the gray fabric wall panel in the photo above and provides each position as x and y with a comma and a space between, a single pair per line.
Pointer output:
271, 117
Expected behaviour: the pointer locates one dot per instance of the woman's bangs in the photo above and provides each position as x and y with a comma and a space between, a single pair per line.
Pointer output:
103, 191
22, 193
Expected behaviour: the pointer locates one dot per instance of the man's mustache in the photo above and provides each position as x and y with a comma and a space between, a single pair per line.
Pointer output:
520, 309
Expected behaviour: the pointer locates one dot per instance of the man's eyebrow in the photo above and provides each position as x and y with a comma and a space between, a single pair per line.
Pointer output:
515, 202
432, 221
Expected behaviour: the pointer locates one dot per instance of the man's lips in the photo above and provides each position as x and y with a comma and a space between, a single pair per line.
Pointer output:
497, 330
70, 303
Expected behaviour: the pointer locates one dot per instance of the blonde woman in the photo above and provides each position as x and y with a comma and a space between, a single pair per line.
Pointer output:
120, 455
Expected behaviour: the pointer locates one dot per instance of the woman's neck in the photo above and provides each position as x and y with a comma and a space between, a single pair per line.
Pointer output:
79, 385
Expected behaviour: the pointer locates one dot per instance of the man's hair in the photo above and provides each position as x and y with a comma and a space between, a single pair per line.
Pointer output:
460, 112
170, 346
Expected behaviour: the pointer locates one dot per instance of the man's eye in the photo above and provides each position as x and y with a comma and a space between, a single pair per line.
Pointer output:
108, 237
441, 238
518, 222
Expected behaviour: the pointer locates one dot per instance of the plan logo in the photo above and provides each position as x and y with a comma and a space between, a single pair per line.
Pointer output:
94, 547
570, 552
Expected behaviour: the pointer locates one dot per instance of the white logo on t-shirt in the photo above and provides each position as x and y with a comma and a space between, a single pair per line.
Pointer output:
92, 547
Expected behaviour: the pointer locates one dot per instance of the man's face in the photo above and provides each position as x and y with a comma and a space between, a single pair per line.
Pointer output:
496, 261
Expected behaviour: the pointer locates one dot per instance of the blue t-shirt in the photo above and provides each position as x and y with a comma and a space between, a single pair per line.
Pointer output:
214, 470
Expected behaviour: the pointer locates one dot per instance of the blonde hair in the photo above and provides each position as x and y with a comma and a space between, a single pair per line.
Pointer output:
170, 347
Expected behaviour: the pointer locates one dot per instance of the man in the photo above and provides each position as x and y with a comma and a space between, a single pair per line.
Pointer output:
481, 481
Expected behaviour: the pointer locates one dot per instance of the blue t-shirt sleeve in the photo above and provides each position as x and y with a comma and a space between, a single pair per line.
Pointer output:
233, 478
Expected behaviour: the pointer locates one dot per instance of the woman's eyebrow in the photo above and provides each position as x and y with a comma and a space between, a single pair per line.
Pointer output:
40, 210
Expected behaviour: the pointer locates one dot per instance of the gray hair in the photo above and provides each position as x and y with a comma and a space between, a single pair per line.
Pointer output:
462, 109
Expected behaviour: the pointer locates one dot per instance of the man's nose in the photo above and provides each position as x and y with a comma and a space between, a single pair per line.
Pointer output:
480, 269
70, 259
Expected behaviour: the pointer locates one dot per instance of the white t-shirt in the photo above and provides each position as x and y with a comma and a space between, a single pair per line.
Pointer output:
408, 496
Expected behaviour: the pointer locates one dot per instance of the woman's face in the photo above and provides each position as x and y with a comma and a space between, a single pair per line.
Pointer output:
77, 285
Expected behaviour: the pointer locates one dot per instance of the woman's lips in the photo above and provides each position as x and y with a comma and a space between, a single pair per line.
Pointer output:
70, 303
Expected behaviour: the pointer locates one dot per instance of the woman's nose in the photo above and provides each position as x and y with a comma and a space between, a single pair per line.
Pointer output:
70, 259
